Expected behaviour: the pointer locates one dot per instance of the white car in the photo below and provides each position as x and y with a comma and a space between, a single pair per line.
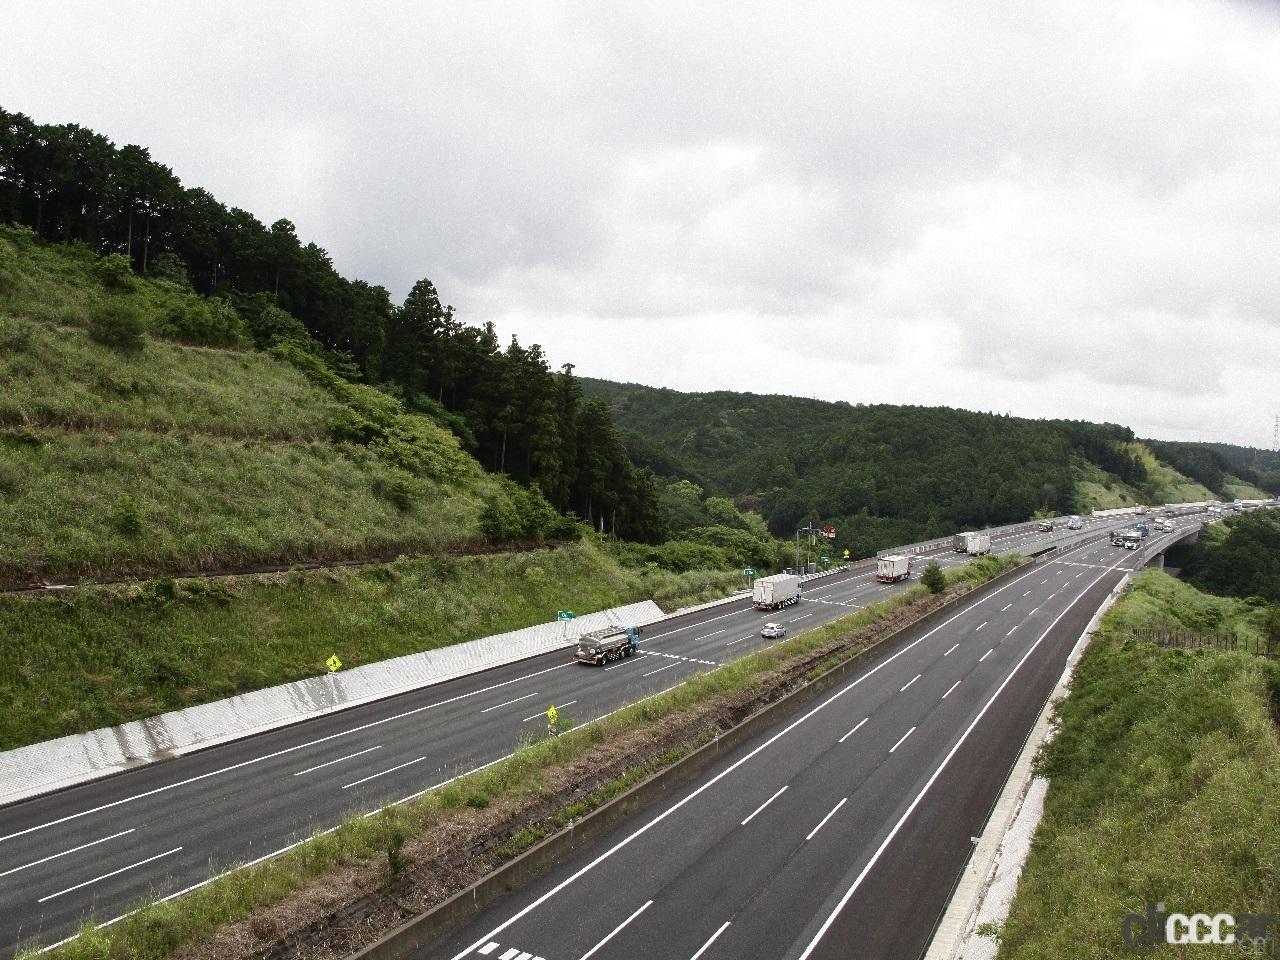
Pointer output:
771, 631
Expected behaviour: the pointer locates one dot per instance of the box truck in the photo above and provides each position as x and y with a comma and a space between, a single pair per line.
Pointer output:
775, 592
892, 568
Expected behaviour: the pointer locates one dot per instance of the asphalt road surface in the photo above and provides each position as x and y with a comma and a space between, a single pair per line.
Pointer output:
839, 834
94, 851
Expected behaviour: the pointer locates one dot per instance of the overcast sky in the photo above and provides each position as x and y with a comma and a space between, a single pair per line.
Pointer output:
1056, 209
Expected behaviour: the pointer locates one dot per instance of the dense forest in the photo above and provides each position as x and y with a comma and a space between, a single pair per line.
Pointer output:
1243, 562
879, 474
692, 475
267, 286
1215, 464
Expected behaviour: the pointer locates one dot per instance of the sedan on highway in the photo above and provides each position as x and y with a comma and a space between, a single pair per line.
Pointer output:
771, 631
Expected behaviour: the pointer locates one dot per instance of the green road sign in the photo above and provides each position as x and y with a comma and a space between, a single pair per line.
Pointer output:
826, 559
749, 572
564, 614
333, 663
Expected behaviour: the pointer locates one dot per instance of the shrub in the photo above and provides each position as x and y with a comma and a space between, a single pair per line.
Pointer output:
519, 513
212, 323
118, 325
127, 516
10, 480
933, 578
115, 272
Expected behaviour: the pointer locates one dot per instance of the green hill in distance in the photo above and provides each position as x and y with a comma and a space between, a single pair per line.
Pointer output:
884, 475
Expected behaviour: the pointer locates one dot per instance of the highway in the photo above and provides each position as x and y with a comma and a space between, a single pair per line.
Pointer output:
96, 850
838, 834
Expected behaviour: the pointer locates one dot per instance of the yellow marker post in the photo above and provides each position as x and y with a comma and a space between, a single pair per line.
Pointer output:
333, 663
552, 716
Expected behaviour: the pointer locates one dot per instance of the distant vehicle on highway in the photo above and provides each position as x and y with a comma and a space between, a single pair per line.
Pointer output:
1074, 523
892, 568
1045, 526
608, 643
775, 592
971, 543
771, 631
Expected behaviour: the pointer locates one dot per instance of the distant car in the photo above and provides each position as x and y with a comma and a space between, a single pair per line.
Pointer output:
1045, 526
1074, 523
1131, 544
771, 631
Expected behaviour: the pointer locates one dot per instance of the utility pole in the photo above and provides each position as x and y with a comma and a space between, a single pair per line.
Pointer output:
1275, 436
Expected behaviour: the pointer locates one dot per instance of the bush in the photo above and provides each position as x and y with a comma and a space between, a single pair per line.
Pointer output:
933, 578
120, 326
115, 272
514, 512
127, 516
212, 323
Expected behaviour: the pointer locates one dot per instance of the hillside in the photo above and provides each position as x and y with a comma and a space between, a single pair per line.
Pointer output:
885, 474
126, 451
164, 457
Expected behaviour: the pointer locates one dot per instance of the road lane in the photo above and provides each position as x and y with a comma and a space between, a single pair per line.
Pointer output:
354, 761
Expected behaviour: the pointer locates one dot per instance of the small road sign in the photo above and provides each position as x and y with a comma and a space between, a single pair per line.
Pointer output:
333, 663
749, 572
564, 614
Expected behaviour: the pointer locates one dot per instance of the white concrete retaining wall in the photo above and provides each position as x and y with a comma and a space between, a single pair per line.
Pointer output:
42, 767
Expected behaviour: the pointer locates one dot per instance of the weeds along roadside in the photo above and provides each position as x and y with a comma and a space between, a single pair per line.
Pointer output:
376, 843
1164, 786
98, 656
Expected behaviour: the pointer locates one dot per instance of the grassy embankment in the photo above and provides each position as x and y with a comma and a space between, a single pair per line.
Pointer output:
105, 655
185, 458
163, 457
166, 457
1098, 490
1164, 785
163, 930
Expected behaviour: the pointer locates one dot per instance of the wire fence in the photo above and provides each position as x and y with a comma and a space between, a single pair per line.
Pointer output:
1183, 639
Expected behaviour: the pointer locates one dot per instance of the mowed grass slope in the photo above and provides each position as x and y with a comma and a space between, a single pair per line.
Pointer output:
1164, 786
175, 458
104, 655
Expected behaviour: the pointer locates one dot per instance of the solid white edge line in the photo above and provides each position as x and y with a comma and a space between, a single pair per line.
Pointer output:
884, 844
900, 739
498, 706
278, 753
739, 762
854, 730
321, 766
616, 930
714, 937
108, 875
412, 796
374, 776
83, 846
823, 822
753, 813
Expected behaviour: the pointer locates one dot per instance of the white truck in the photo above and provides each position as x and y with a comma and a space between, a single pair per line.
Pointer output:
892, 568
976, 544
775, 592
598, 647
